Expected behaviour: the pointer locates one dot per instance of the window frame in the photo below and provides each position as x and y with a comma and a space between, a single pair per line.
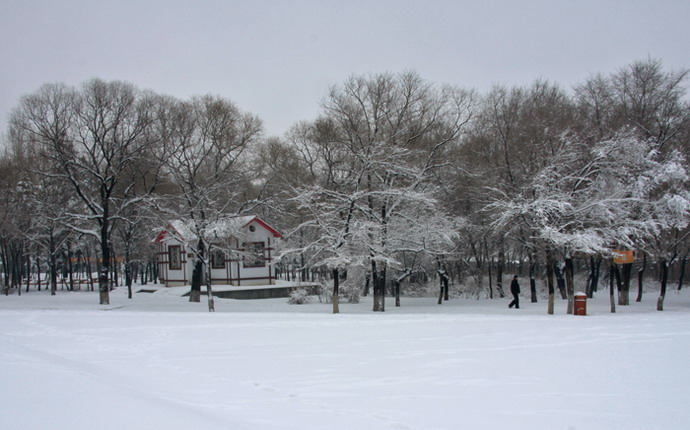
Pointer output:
175, 257
257, 248
217, 252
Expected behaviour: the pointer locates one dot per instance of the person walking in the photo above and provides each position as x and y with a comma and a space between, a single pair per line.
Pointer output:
515, 290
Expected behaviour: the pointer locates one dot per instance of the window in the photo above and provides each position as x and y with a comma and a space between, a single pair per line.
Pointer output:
217, 258
175, 257
254, 254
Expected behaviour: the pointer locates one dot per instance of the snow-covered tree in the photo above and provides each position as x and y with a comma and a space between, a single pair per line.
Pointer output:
617, 194
378, 142
663, 193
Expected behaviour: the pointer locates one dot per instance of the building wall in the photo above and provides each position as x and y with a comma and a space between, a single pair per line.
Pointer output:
174, 277
234, 272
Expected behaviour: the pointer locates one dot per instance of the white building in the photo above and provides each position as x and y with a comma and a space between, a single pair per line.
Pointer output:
241, 251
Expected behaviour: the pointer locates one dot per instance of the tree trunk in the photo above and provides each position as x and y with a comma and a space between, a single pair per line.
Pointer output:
594, 270
70, 266
197, 273
134, 270
491, 289
683, 262
154, 272
499, 273
561, 280
52, 263
590, 276
379, 282
597, 273
663, 265
532, 281
640, 277
128, 273
549, 281
17, 269
5, 274
103, 280
195, 290
336, 291
28, 272
396, 289
104, 284
612, 275
618, 278
569, 275
209, 289
114, 268
89, 269
38, 270
624, 296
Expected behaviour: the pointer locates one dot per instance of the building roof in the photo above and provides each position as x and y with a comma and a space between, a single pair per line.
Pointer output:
223, 228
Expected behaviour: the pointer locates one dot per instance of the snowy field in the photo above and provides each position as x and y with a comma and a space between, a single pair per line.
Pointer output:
159, 362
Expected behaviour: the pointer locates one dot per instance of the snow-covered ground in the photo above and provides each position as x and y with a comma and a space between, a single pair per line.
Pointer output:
160, 362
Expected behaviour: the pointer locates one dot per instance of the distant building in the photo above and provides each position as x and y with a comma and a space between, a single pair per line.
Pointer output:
241, 252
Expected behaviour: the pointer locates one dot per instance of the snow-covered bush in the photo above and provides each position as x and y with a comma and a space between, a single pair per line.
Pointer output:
325, 294
350, 292
299, 296
419, 289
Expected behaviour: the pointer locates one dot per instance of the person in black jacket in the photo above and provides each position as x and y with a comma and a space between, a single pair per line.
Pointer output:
515, 290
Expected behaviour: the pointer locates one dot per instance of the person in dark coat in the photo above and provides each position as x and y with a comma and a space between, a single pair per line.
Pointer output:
515, 290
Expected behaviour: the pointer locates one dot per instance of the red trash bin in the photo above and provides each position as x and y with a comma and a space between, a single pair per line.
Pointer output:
580, 304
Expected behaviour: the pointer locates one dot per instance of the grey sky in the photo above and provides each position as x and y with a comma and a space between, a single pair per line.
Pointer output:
277, 59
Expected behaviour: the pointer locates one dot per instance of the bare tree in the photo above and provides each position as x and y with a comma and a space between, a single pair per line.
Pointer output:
517, 132
204, 143
93, 136
640, 96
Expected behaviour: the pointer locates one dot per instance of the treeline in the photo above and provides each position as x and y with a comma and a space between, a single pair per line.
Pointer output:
398, 179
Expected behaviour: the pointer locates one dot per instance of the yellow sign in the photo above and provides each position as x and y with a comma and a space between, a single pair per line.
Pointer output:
623, 257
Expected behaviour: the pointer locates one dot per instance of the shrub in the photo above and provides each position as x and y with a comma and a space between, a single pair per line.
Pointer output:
325, 294
350, 292
299, 296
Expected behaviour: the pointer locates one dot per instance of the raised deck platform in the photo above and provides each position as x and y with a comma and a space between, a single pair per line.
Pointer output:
263, 292
280, 290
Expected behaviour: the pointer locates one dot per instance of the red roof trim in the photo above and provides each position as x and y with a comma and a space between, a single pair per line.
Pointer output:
161, 236
170, 229
264, 225
163, 233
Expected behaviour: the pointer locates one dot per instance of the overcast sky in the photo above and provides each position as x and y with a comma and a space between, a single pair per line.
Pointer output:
277, 59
